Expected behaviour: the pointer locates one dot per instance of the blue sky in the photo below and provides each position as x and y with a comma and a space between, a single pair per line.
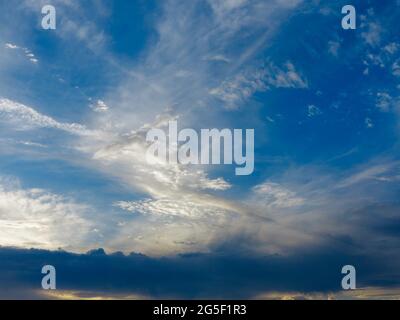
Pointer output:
76, 102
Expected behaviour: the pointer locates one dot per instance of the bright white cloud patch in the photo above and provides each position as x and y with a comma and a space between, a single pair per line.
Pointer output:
11, 46
99, 106
38, 218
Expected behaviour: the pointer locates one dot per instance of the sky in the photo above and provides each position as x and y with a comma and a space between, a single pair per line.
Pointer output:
77, 192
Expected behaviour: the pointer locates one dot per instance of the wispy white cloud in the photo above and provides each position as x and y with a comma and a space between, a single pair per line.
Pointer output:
372, 29
28, 54
313, 111
392, 48
375, 172
369, 123
372, 35
240, 88
218, 57
274, 195
384, 101
244, 85
27, 118
172, 207
333, 47
396, 68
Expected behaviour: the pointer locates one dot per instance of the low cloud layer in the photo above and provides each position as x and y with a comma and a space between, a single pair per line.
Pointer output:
219, 275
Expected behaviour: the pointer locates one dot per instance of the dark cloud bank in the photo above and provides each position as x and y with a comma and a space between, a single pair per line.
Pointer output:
186, 276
